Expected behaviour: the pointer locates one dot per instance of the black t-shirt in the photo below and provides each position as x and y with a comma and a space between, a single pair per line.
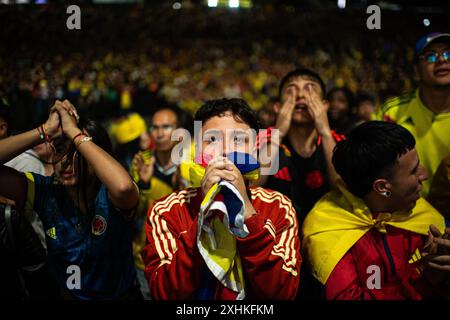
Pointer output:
303, 180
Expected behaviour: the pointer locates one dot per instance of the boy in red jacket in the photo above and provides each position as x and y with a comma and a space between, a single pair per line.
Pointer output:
269, 254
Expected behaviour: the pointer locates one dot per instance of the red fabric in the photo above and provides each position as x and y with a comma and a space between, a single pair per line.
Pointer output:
337, 137
283, 174
314, 179
265, 271
348, 281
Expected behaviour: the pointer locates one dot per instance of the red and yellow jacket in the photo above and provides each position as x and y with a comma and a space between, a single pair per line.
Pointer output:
270, 253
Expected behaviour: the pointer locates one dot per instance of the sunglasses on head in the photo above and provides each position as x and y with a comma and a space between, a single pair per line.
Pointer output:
432, 57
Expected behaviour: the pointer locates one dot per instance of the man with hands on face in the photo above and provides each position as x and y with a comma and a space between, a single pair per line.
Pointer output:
269, 253
305, 170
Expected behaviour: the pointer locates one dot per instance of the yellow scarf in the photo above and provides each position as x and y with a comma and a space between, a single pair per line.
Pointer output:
339, 219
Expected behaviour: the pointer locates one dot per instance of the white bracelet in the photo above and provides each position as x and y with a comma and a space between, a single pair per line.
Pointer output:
84, 139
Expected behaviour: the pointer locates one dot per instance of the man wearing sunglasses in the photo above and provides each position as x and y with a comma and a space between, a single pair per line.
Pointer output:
426, 112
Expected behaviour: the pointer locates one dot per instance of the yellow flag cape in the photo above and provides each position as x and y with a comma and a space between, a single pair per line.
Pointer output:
339, 219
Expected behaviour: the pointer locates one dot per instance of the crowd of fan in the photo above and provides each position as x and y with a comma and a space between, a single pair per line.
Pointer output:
141, 57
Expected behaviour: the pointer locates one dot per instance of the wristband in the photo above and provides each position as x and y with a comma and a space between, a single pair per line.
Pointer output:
84, 139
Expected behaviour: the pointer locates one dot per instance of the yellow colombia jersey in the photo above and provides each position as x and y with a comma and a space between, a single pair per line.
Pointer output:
431, 131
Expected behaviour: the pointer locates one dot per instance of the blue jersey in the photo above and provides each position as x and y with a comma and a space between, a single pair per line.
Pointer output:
97, 244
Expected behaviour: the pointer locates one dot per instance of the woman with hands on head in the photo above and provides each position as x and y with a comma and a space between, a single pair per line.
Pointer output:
86, 207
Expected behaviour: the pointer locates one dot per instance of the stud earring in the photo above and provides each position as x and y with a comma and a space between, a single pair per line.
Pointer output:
387, 193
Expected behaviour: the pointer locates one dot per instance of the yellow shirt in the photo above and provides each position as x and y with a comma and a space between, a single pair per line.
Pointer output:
431, 131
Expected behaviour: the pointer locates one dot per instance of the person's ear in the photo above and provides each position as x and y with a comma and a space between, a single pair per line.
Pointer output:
276, 107
382, 187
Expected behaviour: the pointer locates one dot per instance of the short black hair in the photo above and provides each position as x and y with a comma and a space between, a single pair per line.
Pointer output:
238, 107
369, 153
302, 73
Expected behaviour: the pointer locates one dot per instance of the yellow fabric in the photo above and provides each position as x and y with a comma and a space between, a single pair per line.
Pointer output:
125, 100
439, 195
431, 131
128, 128
216, 241
185, 167
339, 220
157, 190
29, 204
217, 245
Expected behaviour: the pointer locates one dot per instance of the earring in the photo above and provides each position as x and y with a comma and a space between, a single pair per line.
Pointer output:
387, 193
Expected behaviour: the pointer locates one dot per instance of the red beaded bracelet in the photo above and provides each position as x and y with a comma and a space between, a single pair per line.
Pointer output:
78, 135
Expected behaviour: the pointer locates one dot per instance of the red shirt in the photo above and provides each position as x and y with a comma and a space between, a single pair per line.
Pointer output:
270, 254
352, 278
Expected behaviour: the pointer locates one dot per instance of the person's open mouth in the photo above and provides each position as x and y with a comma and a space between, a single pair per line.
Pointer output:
301, 107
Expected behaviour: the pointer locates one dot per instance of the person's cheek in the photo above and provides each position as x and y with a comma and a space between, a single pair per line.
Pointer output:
212, 149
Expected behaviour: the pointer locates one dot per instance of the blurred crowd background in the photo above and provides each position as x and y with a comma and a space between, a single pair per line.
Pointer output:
136, 57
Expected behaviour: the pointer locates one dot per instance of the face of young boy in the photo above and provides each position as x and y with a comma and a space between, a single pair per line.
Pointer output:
225, 134
222, 135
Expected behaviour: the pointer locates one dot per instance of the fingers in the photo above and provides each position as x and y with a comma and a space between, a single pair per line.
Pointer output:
441, 260
152, 161
446, 234
219, 163
439, 267
65, 106
428, 243
442, 242
435, 231
138, 160
224, 173
289, 100
218, 169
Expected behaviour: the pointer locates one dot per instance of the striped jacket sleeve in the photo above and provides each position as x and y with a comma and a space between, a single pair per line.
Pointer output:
271, 252
172, 262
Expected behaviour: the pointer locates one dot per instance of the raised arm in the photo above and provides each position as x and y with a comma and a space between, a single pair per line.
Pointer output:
13, 184
318, 110
123, 192
12, 146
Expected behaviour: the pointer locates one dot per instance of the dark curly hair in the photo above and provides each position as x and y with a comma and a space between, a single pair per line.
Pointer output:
238, 107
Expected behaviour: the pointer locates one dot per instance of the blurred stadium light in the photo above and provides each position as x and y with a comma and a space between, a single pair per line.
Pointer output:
212, 3
233, 3
230, 3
